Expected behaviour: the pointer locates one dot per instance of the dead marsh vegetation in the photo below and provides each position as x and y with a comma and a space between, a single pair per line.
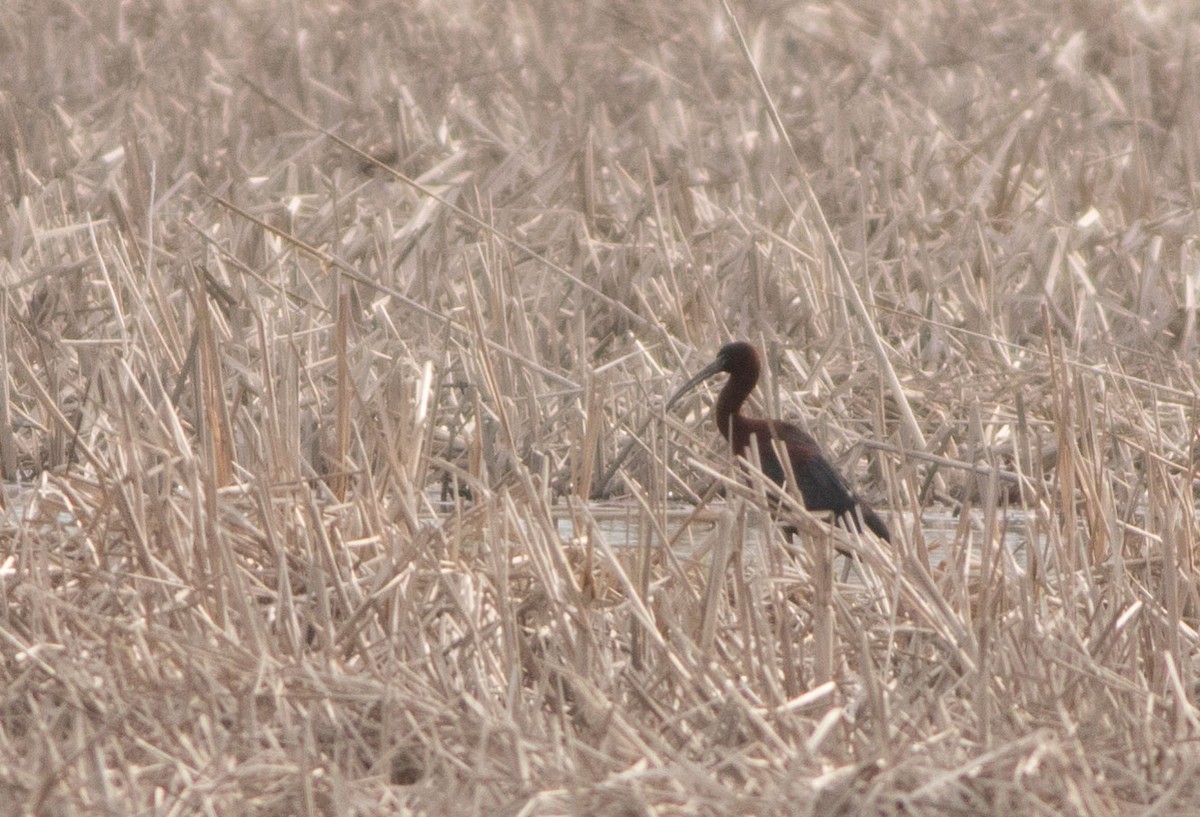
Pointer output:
324, 322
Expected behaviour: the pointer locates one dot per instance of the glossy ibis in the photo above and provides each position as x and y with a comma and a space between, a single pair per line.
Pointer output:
820, 484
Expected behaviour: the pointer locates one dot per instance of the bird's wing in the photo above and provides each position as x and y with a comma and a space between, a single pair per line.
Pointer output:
821, 485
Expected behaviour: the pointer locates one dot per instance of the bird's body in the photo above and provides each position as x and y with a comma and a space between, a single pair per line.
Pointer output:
821, 486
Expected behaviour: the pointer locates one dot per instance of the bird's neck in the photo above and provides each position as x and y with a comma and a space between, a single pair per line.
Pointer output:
733, 395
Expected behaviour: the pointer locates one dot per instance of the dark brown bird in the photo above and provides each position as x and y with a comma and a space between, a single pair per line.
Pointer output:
820, 484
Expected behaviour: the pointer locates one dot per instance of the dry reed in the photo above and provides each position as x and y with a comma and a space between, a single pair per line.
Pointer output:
336, 479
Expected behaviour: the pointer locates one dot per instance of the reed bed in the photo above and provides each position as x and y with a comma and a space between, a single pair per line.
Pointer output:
336, 476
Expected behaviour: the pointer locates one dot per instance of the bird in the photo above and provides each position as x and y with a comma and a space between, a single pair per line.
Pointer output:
822, 487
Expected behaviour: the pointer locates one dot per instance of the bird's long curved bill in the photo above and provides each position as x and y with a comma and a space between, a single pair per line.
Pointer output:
696, 379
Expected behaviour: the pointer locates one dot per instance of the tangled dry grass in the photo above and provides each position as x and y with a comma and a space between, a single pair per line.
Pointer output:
336, 477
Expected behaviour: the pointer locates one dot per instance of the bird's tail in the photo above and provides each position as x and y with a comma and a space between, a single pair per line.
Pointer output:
875, 523
871, 519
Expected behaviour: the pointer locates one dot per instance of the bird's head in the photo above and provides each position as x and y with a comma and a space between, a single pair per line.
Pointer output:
738, 356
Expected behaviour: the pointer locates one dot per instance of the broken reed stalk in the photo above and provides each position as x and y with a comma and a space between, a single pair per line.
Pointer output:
209, 391
339, 461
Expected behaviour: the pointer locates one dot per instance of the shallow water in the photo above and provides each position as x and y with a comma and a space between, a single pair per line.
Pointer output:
621, 527
623, 524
